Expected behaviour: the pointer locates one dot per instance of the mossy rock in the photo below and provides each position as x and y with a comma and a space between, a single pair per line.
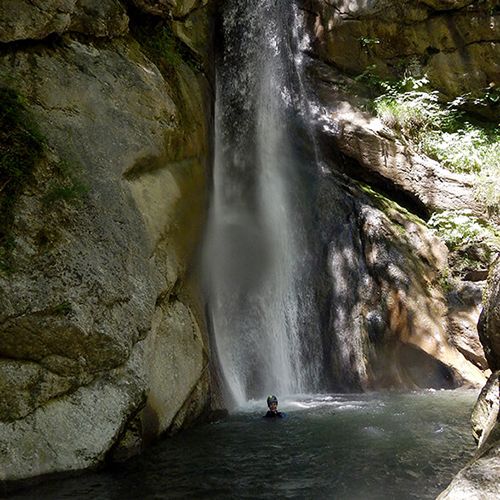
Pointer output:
21, 147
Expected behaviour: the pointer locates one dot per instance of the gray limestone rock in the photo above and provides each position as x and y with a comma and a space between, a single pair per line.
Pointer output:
74, 431
489, 324
97, 308
27, 20
464, 309
485, 413
383, 282
170, 8
480, 479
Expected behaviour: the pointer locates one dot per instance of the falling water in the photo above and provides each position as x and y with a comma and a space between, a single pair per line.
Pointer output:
260, 288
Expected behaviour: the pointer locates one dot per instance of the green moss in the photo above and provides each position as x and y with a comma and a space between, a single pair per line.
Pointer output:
164, 48
460, 229
68, 185
62, 309
21, 146
388, 206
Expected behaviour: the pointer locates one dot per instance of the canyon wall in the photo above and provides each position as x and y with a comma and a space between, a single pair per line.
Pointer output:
103, 344
106, 141
413, 327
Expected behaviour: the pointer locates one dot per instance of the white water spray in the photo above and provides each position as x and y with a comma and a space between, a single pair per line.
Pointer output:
260, 295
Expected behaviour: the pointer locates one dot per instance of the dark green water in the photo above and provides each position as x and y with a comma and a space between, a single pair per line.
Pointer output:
377, 446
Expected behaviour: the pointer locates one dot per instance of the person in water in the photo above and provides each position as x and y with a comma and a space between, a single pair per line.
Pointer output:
272, 404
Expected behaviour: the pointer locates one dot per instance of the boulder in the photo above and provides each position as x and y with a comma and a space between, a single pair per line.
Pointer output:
489, 324
485, 413
478, 480
464, 308
481, 477
74, 431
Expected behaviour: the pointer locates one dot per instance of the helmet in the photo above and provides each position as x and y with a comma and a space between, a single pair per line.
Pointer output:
271, 399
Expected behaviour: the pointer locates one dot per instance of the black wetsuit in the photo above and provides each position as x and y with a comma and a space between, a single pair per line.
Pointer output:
274, 414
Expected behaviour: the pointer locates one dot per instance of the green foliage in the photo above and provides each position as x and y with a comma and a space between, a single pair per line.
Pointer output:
488, 97
487, 186
460, 228
410, 107
372, 80
441, 131
468, 149
368, 42
21, 146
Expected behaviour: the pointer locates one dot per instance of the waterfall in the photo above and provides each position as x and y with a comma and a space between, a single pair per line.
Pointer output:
260, 291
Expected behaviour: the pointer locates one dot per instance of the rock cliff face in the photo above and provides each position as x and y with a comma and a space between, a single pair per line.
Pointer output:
480, 478
398, 265
388, 318
102, 343
452, 41
410, 333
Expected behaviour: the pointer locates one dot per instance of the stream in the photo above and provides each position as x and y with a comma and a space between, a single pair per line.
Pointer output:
338, 446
